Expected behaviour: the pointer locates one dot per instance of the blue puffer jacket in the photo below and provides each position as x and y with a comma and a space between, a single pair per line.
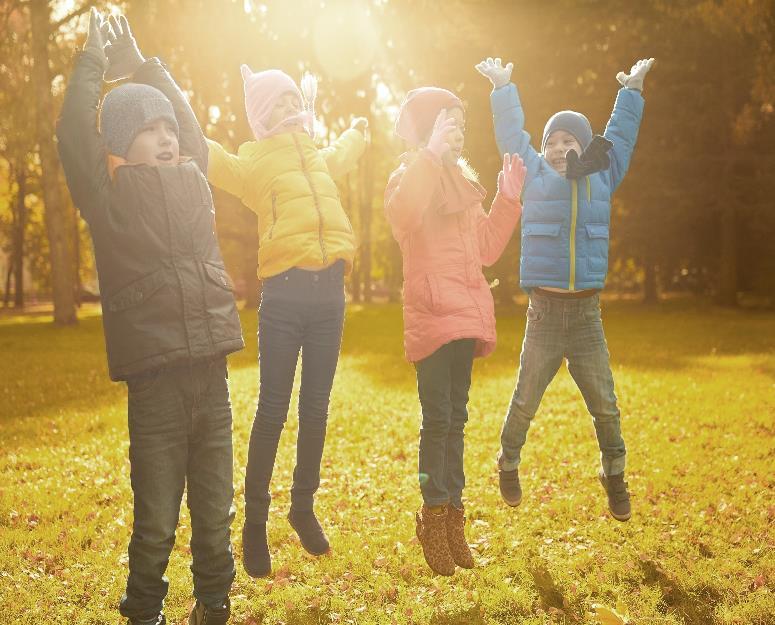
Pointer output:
565, 223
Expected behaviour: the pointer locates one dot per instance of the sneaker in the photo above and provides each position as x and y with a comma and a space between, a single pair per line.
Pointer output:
511, 491
618, 496
456, 538
431, 528
311, 535
202, 615
255, 550
159, 619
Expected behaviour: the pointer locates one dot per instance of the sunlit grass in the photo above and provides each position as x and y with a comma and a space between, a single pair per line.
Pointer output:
697, 392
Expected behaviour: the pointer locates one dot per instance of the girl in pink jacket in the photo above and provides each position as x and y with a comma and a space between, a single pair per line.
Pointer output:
433, 202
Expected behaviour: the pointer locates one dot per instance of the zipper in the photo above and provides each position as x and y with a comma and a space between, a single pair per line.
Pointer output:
315, 199
574, 213
274, 213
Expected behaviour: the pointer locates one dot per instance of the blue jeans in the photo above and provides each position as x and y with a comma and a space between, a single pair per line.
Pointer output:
300, 311
560, 328
443, 381
180, 436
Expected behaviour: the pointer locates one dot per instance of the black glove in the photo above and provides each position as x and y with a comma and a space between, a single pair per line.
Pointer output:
123, 55
594, 158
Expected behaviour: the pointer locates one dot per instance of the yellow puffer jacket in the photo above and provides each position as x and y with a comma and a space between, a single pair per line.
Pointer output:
288, 182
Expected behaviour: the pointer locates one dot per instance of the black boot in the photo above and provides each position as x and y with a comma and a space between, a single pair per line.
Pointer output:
202, 615
159, 619
312, 536
255, 550
618, 496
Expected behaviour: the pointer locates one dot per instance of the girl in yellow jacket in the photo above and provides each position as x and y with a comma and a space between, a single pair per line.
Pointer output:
306, 246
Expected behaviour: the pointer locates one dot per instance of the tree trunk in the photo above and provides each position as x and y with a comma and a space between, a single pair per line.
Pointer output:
366, 194
727, 294
57, 217
8, 274
650, 295
19, 226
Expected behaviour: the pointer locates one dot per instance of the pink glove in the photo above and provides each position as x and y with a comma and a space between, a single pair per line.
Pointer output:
437, 144
512, 177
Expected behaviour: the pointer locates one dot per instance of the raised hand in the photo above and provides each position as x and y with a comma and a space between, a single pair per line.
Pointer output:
511, 178
494, 70
360, 124
441, 128
99, 32
634, 80
123, 55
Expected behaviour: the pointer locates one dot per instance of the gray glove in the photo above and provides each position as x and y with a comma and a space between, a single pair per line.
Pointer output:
494, 70
124, 57
99, 31
634, 80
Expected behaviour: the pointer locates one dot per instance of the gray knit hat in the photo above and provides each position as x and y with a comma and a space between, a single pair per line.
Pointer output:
569, 121
126, 109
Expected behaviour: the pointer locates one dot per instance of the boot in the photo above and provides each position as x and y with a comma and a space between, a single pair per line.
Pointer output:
431, 530
508, 481
202, 615
618, 496
159, 619
311, 535
456, 538
255, 550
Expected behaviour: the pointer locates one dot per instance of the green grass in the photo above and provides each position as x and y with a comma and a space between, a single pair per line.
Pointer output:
697, 392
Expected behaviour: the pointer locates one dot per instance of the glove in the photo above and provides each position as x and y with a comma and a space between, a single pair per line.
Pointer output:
437, 144
512, 177
634, 80
99, 31
360, 124
594, 158
123, 54
494, 70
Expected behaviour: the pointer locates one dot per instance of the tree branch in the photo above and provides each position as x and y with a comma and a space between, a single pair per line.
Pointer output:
72, 15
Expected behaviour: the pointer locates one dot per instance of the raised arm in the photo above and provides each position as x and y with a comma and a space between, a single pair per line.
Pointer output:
622, 127
508, 115
225, 169
409, 193
343, 154
125, 60
81, 149
494, 230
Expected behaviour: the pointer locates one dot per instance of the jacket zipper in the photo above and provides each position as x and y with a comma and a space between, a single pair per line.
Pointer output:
315, 200
274, 213
574, 211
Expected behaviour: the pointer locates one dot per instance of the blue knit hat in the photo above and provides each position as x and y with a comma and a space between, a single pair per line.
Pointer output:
126, 109
569, 121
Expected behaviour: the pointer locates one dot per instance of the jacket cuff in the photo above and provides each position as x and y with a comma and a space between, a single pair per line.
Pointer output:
504, 98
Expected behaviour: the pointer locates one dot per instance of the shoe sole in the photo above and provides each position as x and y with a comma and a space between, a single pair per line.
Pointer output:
317, 554
618, 517
511, 504
255, 575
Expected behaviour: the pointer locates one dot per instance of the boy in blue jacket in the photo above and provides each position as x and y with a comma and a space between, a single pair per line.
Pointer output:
563, 265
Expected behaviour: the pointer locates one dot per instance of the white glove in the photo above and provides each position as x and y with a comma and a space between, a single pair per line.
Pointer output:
634, 80
494, 70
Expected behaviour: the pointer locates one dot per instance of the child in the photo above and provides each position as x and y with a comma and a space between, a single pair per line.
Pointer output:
563, 267
434, 205
168, 310
306, 245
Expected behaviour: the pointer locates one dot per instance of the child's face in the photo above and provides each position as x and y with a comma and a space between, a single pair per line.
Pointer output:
455, 137
156, 145
287, 105
557, 145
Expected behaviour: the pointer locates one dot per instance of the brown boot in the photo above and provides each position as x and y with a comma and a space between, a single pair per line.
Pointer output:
456, 538
432, 533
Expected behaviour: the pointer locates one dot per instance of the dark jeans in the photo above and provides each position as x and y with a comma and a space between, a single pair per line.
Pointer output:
300, 311
572, 329
180, 435
443, 381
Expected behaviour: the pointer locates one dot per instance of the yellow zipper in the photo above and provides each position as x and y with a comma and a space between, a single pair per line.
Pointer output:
274, 213
315, 199
574, 211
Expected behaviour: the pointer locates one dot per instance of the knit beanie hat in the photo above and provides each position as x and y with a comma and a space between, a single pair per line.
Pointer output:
419, 111
126, 109
262, 90
569, 121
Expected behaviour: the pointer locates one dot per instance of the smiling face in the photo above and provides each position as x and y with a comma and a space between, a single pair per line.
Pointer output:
287, 105
557, 145
156, 145
455, 137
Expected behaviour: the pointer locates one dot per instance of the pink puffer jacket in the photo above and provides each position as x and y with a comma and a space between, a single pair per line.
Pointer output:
437, 218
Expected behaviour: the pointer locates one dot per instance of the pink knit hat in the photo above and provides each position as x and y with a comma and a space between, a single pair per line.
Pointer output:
419, 111
262, 90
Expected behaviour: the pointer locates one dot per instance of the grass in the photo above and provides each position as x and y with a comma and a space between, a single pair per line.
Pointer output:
697, 392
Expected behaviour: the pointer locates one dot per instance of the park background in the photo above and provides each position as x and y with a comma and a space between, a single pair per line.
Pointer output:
688, 311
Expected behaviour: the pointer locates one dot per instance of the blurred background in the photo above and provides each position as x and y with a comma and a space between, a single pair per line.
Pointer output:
695, 216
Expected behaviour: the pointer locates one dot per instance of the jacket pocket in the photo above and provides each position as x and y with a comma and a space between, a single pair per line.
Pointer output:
218, 276
449, 294
536, 229
597, 231
597, 259
137, 292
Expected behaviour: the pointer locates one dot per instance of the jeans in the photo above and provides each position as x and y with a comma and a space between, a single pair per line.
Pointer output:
560, 328
443, 381
300, 311
180, 436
